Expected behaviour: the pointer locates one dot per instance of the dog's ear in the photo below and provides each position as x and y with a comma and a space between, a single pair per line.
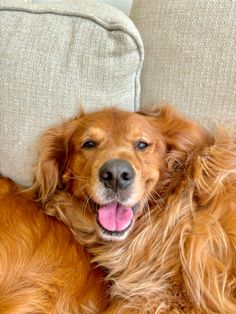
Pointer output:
179, 133
52, 160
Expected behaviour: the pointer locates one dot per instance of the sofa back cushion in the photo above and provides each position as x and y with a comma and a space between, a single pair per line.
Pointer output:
190, 56
53, 57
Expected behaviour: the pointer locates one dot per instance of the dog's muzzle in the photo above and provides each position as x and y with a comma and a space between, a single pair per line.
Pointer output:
117, 176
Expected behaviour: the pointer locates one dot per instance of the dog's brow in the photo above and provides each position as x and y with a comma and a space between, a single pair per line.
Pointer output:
94, 132
138, 133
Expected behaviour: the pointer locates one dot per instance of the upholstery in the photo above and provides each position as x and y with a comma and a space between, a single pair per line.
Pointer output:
53, 57
190, 56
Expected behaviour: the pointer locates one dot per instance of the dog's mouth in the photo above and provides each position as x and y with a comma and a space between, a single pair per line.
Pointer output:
115, 219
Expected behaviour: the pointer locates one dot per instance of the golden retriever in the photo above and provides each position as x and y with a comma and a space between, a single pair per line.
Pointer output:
43, 269
152, 196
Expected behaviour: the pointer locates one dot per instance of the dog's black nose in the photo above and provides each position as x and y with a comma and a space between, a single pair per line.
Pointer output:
116, 174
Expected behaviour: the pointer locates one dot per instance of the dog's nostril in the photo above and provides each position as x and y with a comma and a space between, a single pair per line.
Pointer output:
116, 174
126, 176
107, 175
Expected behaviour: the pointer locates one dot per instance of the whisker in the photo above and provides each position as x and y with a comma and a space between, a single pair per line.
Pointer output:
77, 177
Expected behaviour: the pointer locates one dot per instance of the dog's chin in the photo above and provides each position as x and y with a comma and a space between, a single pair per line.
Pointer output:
113, 235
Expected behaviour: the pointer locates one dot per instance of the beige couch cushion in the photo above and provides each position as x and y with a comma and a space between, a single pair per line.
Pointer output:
53, 56
190, 56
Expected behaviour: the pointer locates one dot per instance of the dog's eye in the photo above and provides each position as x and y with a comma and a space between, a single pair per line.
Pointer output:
89, 144
141, 145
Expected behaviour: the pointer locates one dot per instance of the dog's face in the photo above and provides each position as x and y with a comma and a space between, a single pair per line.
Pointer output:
114, 163
110, 162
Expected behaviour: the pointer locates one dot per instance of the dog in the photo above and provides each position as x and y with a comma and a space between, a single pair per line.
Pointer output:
43, 269
152, 196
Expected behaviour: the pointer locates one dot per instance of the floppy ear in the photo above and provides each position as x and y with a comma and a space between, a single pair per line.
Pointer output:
180, 134
53, 158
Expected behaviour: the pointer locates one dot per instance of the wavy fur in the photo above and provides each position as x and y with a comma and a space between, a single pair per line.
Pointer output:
180, 256
42, 268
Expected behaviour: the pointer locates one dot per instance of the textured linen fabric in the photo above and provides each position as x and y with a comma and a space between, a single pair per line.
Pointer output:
52, 57
190, 56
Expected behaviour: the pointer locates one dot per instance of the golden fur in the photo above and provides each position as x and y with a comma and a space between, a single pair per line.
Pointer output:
42, 268
179, 253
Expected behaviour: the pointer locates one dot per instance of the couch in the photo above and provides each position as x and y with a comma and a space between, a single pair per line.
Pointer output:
59, 54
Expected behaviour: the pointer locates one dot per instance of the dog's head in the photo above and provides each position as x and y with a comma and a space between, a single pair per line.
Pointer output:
111, 161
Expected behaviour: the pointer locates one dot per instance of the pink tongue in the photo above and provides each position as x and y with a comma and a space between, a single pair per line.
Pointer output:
115, 217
